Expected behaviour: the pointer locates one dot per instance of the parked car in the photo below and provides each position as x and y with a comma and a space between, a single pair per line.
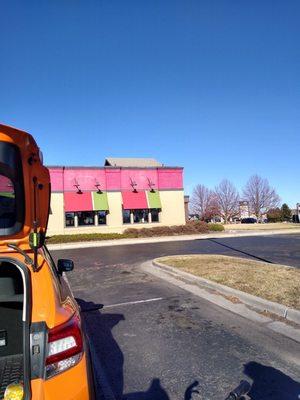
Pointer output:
248, 220
43, 348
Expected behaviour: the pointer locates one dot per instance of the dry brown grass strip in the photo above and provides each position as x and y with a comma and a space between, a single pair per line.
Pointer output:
261, 227
270, 281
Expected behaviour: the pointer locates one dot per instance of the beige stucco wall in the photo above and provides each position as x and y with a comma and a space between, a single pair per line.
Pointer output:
172, 204
115, 217
172, 214
56, 221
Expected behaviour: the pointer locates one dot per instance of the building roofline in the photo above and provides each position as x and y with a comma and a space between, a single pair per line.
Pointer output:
132, 162
109, 167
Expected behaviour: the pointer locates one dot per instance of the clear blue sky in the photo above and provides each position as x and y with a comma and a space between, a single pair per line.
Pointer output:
211, 85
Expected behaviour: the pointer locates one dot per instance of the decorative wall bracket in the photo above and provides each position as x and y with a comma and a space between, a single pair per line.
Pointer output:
97, 186
133, 184
151, 185
76, 184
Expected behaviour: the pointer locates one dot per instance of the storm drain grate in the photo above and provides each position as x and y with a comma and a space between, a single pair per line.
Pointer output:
11, 370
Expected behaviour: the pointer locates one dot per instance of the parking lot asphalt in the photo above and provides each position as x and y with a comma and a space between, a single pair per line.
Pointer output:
155, 341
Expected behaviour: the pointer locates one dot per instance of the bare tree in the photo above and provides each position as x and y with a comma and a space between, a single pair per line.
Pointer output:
227, 198
260, 195
213, 209
202, 202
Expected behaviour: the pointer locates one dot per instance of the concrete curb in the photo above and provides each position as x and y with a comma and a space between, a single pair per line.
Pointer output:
253, 301
161, 239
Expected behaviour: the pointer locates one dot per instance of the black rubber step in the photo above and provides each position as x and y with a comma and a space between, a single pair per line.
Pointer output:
11, 370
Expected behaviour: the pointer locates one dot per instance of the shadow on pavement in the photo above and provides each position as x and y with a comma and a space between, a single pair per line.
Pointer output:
213, 240
108, 358
157, 392
268, 383
105, 352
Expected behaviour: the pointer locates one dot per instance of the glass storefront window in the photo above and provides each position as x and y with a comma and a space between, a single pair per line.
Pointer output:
126, 216
70, 219
140, 216
155, 214
101, 217
85, 218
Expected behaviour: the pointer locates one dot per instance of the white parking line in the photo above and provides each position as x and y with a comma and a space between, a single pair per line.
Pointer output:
128, 303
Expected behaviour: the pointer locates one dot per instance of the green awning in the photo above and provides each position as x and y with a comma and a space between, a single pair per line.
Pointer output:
100, 202
154, 199
7, 194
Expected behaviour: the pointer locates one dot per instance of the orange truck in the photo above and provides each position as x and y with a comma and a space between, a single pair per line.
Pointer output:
44, 353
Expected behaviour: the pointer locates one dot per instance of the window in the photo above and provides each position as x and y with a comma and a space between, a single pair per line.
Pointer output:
155, 214
12, 201
140, 216
86, 218
7, 203
70, 219
126, 216
101, 217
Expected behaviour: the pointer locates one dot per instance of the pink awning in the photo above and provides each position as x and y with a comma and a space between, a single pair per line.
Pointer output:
132, 200
78, 202
6, 185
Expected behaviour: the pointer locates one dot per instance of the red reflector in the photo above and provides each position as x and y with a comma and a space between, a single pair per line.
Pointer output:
64, 341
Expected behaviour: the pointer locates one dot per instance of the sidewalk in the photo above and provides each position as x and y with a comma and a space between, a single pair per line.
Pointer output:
161, 239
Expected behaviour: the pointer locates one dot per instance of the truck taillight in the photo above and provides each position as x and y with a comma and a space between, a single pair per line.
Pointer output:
65, 347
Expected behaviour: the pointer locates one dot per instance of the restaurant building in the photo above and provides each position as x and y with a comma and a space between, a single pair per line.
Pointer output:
125, 192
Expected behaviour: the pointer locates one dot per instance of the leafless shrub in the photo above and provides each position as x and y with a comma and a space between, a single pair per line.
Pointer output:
190, 228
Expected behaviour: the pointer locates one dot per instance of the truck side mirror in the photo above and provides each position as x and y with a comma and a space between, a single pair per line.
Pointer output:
65, 265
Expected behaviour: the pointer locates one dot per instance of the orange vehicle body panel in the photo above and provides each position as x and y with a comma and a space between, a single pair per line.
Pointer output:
32, 167
71, 385
47, 304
